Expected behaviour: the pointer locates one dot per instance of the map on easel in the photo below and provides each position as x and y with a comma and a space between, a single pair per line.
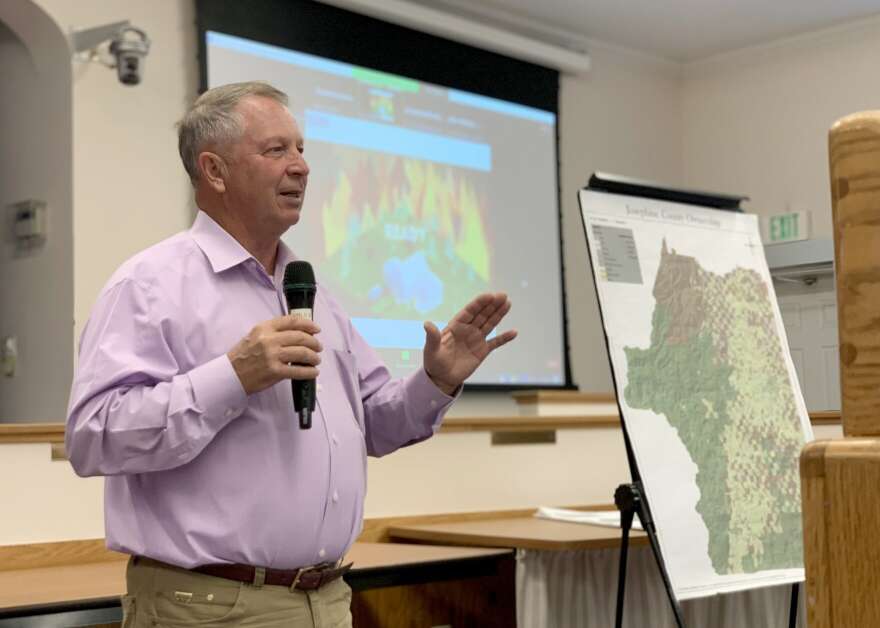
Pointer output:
706, 387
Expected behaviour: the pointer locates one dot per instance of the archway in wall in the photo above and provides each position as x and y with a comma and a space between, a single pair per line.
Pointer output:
36, 277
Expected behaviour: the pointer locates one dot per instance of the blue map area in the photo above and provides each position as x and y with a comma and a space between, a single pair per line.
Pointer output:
412, 282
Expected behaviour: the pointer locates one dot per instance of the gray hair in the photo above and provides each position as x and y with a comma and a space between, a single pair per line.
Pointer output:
212, 119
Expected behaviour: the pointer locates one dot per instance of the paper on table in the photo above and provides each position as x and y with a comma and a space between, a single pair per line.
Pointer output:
608, 518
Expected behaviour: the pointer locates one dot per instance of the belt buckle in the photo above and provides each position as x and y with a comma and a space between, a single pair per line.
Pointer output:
299, 574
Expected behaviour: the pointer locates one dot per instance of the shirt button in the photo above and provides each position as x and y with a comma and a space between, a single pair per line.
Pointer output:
335, 496
334, 438
322, 553
320, 388
433, 403
229, 412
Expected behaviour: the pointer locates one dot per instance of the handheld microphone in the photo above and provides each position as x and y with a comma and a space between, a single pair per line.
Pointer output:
299, 292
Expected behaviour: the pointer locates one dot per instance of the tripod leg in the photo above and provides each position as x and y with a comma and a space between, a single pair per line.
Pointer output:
793, 609
626, 519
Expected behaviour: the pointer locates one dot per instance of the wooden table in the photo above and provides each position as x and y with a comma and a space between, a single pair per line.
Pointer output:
89, 593
534, 535
517, 532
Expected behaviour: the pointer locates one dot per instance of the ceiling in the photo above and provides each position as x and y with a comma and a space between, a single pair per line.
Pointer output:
677, 30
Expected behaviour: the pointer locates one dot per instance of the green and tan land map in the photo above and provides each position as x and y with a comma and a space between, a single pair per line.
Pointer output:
716, 371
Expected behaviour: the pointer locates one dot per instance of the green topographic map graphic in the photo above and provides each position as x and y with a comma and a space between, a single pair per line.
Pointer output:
716, 371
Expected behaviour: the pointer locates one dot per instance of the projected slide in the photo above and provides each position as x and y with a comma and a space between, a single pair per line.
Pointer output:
419, 198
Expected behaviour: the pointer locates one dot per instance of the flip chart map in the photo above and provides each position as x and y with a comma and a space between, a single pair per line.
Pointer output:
706, 386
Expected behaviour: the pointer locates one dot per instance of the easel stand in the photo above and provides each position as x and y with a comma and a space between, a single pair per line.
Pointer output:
793, 607
629, 501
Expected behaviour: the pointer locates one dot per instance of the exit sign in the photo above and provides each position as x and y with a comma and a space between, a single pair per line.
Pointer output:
787, 227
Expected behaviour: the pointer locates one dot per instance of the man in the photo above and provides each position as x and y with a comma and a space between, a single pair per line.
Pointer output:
182, 394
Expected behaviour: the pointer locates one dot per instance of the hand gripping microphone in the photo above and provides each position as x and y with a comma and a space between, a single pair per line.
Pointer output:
299, 291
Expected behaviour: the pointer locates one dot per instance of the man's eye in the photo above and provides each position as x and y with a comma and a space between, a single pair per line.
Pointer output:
276, 150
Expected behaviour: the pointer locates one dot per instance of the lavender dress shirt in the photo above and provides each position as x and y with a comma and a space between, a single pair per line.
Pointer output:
197, 471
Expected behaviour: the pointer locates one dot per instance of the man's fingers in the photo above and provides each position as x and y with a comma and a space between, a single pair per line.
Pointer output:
501, 339
480, 309
298, 339
299, 355
482, 318
495, 318
432, 337
291, 322
296, 371
474, 308
494, 308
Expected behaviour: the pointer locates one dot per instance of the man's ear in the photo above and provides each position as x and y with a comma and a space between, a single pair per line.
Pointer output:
213, 170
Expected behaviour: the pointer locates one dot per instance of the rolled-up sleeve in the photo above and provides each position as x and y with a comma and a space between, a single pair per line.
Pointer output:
132, 409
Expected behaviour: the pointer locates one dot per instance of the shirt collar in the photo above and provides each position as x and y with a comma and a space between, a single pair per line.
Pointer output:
223, 251
284, 257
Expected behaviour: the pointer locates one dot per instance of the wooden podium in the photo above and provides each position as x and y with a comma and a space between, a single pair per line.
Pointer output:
840, 479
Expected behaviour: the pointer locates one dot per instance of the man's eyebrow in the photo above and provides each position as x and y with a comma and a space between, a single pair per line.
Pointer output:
284, 140
274, 139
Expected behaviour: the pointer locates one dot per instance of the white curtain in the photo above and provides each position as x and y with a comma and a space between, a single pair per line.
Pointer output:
578, 589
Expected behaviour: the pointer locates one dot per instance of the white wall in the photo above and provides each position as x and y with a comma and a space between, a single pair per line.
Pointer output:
36, 281
460, 472
756, 121
45, 501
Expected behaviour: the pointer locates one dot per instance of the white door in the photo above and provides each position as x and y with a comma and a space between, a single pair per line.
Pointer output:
809, 314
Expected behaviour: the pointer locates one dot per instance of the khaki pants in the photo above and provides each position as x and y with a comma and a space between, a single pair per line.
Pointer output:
164, 596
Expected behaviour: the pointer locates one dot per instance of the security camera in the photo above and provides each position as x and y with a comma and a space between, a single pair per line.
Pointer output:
129, 46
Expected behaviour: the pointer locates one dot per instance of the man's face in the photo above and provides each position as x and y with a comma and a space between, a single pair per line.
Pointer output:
267, 176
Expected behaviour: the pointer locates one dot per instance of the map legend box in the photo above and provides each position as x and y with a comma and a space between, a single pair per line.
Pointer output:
618, 257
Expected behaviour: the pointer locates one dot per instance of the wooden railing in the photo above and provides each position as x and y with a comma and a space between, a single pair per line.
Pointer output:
54, 432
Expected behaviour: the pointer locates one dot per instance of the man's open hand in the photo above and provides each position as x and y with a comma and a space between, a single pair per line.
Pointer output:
451, 355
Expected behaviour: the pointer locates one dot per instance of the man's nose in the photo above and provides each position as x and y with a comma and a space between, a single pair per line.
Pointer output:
298, 165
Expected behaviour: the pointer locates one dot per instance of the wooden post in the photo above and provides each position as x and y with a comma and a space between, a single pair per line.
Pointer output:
854, 154
840, 479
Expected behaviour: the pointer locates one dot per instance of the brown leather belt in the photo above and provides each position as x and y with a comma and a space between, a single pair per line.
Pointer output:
305, 579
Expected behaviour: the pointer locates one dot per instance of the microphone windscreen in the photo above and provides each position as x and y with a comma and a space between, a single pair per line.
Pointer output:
298, 274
